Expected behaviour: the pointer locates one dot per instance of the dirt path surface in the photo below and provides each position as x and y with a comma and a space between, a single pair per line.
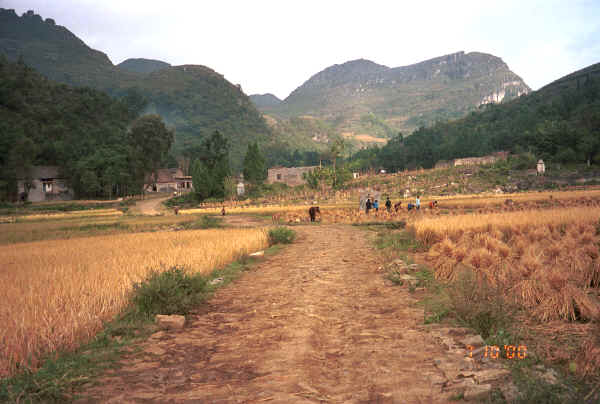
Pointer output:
315, 323
151, 206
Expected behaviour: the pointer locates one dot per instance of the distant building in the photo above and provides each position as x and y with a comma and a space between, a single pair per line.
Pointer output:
472, 161
291, 176
355, 175
240, 188
541, 167
168, 180
43, 183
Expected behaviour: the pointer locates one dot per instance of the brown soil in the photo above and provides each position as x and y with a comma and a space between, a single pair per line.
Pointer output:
151, 206
315, 323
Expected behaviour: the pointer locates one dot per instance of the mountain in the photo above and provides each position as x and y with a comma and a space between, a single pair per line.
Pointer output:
361, 97
560, 123
143, 66
56, 52
195, 100
264, 100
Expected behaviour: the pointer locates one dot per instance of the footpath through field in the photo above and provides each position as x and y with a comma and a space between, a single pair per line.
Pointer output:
314, 323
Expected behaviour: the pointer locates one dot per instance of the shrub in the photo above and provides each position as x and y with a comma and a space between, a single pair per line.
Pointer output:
478, 305
168, 292
281, 235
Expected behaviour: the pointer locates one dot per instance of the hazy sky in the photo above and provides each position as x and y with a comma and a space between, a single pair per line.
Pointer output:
274, 46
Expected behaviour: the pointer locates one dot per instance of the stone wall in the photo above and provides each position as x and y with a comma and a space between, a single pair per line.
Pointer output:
472, 161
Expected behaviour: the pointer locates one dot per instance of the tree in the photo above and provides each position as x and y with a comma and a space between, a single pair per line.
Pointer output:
255, 170
149, 141
210, 170
230, 187
313, 178
336, 150
588, 145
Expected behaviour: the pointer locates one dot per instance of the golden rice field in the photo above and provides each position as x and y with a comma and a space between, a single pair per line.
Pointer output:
547, 260
74, 226
57, 293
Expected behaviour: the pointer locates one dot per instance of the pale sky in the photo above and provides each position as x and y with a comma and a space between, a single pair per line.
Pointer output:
273, 46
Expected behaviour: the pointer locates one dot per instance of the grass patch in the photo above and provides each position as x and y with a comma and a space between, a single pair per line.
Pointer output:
388, 225
96, 227
168, 292
64, 374
398, 241
281, 235
205, 222
28, 208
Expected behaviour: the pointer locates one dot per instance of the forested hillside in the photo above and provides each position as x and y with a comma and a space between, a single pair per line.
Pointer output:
559, 123
90, 135
193, 99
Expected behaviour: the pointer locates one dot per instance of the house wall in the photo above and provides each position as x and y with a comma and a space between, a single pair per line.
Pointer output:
291, 176
60, 191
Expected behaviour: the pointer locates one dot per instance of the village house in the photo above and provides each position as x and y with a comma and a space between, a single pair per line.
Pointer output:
168, 180
43, 183
291, 176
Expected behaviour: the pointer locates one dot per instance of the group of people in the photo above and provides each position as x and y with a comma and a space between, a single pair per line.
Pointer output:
388, 205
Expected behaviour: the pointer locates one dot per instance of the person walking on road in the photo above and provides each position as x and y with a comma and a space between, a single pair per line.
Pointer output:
376, 205
418, 203
388, 204
369, 205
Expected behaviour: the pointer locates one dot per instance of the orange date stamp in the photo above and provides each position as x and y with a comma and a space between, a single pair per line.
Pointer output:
494, 352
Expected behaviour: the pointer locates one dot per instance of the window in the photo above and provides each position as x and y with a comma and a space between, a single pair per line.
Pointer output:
279, 177
47, 186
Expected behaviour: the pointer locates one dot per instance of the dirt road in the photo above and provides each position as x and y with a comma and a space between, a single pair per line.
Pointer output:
151, 205
314, 323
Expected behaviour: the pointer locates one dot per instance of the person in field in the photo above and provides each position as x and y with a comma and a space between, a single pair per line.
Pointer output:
312, 212
398, 206
418, 203
410, 207
223, 211
388, 204
376, 205
432, 204
368, 205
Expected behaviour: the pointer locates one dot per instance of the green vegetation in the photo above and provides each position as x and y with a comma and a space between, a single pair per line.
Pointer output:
143, 66
255, 169
168, 292
205, 222
281, 235
210, 168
